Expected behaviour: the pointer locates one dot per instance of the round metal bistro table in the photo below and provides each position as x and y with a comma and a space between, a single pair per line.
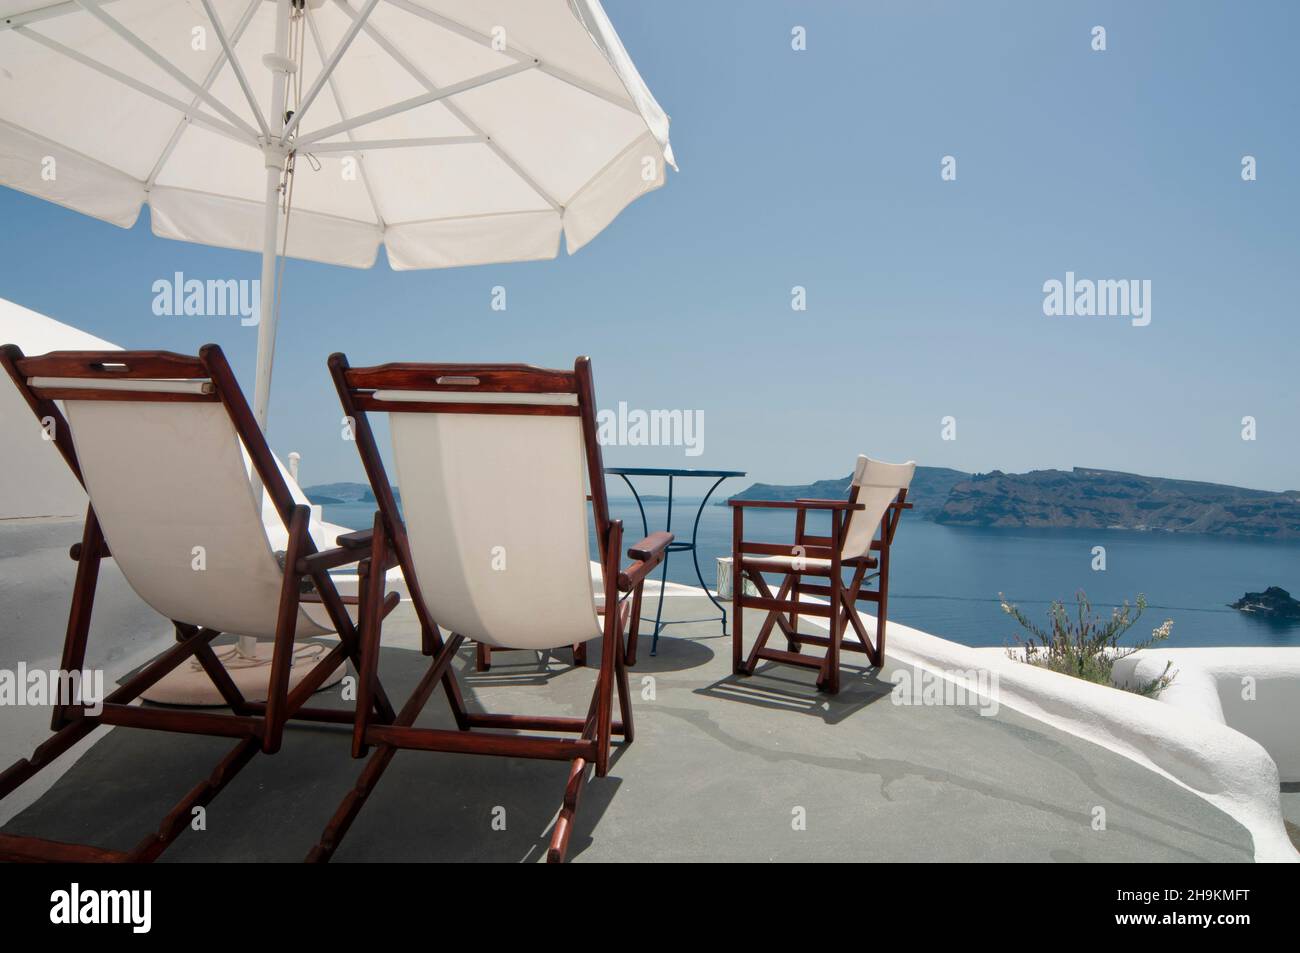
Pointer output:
676, 546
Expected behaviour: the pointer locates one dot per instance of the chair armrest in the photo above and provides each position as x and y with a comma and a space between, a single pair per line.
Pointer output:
74, 552
797, 504
646, 555
651, 546
358, 540
328, 559
350, 548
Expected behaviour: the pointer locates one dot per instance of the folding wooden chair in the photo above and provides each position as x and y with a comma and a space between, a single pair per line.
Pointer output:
877, 497
494, 462
162, 444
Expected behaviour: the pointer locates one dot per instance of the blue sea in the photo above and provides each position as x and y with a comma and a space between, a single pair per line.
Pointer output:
946, 580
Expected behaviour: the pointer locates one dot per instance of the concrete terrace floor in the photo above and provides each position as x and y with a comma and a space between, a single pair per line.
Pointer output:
719, 768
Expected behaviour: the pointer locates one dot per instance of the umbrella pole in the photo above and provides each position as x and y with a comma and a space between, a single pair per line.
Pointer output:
274, 156
266, 326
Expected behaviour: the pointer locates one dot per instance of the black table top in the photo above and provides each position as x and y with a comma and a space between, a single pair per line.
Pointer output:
671, 471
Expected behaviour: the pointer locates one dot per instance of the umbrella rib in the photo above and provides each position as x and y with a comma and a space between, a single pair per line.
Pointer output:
235, 66
328, 70
343, 114
447, 23
149, 53
189, 112
235, 37
359, 145
52, 12
420, 77
414, 103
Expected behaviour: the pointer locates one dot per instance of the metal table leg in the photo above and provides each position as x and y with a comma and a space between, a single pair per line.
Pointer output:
663, 576
695, 555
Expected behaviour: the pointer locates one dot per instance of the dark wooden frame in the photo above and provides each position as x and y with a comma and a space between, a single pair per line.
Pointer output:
787, 605
357, 389
258, 726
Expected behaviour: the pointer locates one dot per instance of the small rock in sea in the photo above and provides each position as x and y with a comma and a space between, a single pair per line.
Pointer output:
1274, 601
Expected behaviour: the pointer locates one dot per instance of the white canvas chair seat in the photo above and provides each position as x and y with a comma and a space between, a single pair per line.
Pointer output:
496, 511
171, 490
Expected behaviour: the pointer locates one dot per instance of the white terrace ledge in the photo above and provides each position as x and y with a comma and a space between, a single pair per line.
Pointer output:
1184, 736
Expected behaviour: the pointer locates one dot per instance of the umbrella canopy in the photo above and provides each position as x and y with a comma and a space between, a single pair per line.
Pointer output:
453, 132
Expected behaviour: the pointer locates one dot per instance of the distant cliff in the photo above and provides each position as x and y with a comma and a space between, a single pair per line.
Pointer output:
1082, 498
342, 493
1106, 499
928, 493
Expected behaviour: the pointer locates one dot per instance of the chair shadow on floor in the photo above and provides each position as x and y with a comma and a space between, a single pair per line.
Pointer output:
783, 688
519, 667
430, 807
466, 808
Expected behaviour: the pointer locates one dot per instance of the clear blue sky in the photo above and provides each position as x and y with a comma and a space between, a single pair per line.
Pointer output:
821, 168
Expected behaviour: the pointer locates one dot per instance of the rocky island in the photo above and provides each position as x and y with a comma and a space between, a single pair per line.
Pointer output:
1081, 498
1274, 602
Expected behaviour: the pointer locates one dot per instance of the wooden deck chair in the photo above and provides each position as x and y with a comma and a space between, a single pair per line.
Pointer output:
162, 444
495, 462
877, 497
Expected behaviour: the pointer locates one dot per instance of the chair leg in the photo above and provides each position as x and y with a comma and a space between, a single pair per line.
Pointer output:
580, 655
286, 627
372, 579
793, 644
83, 601
737, 620
564, 823
882, 609
483, 657
634, 628
832, 677
624, 696
605, 700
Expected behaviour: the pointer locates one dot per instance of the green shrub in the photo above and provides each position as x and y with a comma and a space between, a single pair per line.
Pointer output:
1087, 646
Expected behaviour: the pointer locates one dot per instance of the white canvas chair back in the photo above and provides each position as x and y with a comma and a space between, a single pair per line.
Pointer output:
170, 487
495, 507
878, 485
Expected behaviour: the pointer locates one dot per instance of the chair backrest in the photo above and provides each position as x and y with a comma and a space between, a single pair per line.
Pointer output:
875, 485
161, 443
494, 463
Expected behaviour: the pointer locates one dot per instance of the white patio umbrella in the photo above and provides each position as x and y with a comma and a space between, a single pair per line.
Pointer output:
453, 132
